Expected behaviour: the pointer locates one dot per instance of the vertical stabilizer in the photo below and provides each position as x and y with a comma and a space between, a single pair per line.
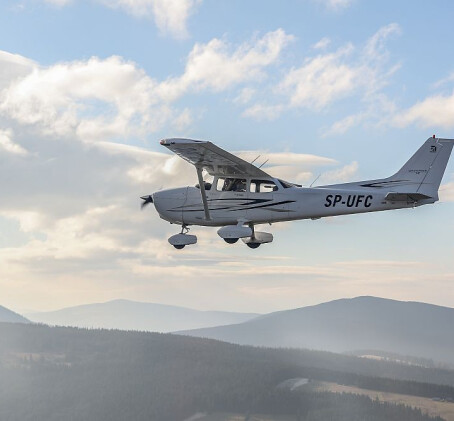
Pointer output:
424, 170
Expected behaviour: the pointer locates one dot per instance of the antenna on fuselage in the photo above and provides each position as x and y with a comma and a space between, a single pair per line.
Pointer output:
264, 163
316, 178
258, 156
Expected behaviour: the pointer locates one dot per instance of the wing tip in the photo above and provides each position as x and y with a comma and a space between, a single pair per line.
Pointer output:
180, 140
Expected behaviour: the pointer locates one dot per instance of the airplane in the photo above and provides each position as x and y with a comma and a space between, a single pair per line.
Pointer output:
242, 195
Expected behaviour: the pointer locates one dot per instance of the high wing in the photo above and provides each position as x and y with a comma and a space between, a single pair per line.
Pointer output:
213, 159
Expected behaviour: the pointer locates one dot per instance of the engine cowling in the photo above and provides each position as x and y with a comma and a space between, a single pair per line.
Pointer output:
234, 231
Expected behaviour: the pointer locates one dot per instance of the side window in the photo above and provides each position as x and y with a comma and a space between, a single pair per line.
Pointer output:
262, 186
231, 184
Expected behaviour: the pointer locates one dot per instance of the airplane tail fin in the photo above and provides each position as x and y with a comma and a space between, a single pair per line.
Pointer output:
423, 172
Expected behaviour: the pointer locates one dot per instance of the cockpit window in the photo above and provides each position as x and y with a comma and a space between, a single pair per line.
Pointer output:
231, 184
262, 186
207, 181
286, 184
207, 185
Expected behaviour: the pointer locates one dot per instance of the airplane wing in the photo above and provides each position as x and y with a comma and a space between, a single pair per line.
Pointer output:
216, 161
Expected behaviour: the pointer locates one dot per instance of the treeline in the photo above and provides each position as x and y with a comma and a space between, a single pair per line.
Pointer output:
402, 359
124, 391
311, 406
78, 374
72, 342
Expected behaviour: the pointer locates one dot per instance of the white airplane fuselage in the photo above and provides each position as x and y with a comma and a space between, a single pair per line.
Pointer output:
242, 196
184, 205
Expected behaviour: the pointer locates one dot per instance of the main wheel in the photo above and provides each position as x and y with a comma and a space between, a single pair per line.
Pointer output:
231, 240
179, 246
253, 245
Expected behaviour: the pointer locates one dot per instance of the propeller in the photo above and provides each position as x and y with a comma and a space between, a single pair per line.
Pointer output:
146, 200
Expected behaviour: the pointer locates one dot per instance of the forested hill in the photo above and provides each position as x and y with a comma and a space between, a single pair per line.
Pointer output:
78, 374
406, 328
134, 315
10, 316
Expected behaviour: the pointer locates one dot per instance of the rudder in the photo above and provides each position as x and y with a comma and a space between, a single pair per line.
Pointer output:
423, 172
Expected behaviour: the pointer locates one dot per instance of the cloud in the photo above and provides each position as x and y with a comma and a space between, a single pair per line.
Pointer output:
329, 77
107, 98
264, 112
321, 80
335, 5
13, 66
59, 3
215, 67
8, 145
95, 98
446, 192
444, 81
341, 175
437, 110
322, 44
289, 166
170, 16
245, 96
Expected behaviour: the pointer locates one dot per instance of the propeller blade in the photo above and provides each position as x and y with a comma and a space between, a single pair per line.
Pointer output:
146, 200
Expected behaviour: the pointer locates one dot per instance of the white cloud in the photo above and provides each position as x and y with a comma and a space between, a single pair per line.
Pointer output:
13, 66
343, 125
59, 3
94, 97
244, 96
445, 80
287, 158
446, 192
170, 16
335, 5
437, 110
322, 44
213, 66
332, 76
377, 112
264, 111
321, 80
112, 97
8, 145
342, 175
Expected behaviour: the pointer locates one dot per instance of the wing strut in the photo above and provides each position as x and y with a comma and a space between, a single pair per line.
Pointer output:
203, 193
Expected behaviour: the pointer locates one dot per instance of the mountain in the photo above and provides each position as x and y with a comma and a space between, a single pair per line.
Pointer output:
132, 315
11, 317
406, 328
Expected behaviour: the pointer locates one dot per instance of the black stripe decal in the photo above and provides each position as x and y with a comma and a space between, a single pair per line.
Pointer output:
236, 207
381, 184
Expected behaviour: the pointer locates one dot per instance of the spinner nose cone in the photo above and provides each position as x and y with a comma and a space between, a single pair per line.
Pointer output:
146, 200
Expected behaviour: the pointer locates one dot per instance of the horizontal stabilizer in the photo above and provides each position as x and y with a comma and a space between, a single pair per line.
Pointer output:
406, 197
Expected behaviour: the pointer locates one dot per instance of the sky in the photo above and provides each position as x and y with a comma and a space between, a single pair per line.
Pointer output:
342, 89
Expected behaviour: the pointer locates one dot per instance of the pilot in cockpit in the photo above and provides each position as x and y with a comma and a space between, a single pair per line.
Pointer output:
240, 185
236, 185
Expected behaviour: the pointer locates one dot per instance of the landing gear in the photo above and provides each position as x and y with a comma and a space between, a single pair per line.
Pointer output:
179, 241
257, 238
231, 240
